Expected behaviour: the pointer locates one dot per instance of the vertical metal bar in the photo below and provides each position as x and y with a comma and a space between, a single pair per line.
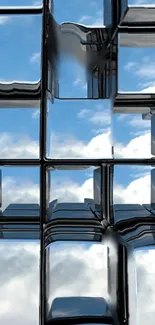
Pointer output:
44, 82
43, 112
103, 191
110, 194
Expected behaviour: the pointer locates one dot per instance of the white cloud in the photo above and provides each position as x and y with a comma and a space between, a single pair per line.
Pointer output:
97, 147
37, 3
85, 18
71, 191
129, 66
95, 20
139, 171
144, 70
35, 58
19, 279
84, 270
138, 126
149, 90
138, 123
21, 146
76, 82
80, 83
145, 286
67, 146
99, 116
19, 190
138, 147
4, 20
36, 114
138, 191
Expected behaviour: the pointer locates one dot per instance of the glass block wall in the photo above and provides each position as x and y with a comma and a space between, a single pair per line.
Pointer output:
76, 162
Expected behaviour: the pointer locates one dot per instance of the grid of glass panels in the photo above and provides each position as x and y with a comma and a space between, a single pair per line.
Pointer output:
63, 200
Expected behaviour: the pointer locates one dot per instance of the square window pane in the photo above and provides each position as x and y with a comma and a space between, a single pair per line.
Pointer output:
80, 50
75, 192
20, 54
132, 135
133, 119
79, 129
136, 64
132, 184
77, 276
145, 273
19, 276
20, 188
81, 82
19, 134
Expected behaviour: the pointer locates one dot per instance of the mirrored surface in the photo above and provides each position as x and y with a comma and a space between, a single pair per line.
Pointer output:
71, 268
135, 97
20, 191
135, 69
81, 270
19, 279
80, 52
132, 184
19, 133
79, 129
132, 134
20, 56
71, 185
145, 277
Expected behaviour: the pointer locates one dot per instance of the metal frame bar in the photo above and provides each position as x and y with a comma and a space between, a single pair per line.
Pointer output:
83, 320
43, 194
54, 163
25, 10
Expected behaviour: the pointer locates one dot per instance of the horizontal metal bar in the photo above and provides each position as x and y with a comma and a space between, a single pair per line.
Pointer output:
18, 94
136, 29
138, 25
98, 162
18, 162
58, 238
74, 222
51, 228
135, 99
67, 232
81, 320
25, 10
54, 163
